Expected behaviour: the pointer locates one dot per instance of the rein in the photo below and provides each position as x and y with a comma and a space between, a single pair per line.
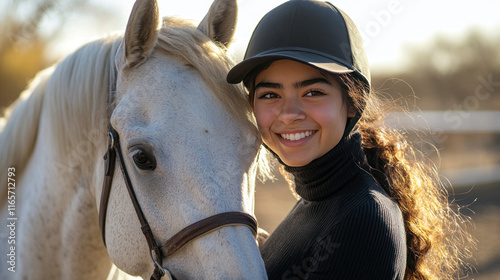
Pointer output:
181, 238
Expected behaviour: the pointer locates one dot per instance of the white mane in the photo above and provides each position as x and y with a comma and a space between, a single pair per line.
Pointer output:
75, 88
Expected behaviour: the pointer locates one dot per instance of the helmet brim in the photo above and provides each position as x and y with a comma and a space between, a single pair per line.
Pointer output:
320, 61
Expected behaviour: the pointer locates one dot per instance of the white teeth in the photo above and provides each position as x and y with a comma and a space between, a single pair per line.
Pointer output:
297, 136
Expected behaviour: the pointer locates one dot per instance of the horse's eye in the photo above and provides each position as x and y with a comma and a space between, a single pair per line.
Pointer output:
144, 160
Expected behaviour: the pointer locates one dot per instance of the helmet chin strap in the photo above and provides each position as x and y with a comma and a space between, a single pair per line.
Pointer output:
351, 122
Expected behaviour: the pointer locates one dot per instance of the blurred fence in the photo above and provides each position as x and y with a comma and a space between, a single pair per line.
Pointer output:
456, 122
448, 121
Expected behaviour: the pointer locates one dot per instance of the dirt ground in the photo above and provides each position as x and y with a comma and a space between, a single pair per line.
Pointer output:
274, 200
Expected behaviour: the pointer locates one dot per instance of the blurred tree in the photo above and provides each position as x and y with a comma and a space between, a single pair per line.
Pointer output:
27, 27
17, 67
450, 74
22, 48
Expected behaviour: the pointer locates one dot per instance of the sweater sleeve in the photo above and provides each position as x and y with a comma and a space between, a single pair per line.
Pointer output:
368, 243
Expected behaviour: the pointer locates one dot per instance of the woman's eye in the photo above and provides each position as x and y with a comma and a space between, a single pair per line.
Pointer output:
269, 95
143, 160
314, 93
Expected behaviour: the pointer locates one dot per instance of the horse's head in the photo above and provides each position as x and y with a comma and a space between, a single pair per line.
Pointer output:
188, 145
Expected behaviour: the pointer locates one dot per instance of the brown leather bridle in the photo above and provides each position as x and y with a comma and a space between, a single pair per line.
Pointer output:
180, 239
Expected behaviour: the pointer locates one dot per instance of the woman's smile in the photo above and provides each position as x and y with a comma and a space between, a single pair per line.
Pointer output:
296, 136
296, 139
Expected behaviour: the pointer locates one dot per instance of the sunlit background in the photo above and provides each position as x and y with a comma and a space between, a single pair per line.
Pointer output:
441, 59
389, 27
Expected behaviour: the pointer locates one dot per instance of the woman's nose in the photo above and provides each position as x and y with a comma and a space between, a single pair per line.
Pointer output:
291, 111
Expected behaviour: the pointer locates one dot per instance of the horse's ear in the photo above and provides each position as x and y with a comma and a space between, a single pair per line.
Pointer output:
220, 22
140, 35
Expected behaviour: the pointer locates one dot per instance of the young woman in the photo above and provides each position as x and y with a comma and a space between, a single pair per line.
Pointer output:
368, 208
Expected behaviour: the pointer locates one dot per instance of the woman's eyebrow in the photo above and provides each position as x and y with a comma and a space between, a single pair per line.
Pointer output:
310, 82
300, 84
268, 85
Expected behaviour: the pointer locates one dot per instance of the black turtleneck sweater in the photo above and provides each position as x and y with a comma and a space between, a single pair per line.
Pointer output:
344, 227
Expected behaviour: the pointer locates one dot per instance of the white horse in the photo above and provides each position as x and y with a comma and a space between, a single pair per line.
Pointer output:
188, 144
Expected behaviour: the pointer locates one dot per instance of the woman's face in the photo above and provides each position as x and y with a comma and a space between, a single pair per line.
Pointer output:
300, 111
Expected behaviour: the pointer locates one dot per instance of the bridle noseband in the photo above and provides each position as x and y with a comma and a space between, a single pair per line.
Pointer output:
180, 239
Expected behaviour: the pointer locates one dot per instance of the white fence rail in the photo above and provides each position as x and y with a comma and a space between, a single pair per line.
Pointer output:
455, 122
468, 177
448, 121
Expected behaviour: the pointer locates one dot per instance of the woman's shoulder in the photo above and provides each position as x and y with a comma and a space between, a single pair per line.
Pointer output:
376, 209
368, 209
363, 198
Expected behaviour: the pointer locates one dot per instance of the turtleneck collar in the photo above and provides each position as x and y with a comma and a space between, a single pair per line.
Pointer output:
328, 174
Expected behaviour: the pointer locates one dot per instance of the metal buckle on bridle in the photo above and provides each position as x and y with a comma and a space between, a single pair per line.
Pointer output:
111, 140
159, 271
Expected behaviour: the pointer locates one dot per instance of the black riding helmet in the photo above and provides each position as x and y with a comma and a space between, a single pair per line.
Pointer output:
312, 32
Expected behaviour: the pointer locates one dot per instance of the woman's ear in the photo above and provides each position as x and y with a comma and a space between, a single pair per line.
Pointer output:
351, 111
